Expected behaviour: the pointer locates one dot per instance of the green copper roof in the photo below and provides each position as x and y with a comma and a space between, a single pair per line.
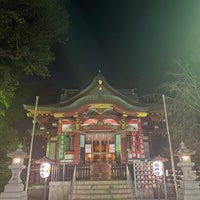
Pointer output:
99, 91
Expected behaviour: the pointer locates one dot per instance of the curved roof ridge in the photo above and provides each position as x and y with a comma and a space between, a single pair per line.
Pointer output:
99, 90
100, 80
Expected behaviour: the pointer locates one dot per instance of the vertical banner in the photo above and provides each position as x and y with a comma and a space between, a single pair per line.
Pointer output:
48, 149
118, 148
82, 141
118, 140
82, 148
141, 145
62, 146
140, 141
134, 149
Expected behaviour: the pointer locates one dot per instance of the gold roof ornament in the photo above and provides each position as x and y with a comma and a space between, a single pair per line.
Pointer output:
100, 84
124, 114
100, 105
141, 114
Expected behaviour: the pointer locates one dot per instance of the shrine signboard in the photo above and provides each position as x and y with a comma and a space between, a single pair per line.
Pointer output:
62, 146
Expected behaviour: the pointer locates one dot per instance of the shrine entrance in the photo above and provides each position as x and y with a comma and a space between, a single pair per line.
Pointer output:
100, 147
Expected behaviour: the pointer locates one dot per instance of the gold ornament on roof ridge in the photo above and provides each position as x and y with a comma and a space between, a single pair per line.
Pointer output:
100, 84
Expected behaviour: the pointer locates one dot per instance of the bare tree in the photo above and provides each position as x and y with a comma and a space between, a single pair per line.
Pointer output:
183, 105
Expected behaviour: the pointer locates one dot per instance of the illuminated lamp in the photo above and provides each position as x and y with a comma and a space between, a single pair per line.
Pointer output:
47, 132
156, 126
42, 128
184, 154
17, 161
45, 169
54, 124
18, 156
186, 158
15, 188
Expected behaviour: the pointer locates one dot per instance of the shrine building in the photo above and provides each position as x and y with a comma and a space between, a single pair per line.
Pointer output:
96, 124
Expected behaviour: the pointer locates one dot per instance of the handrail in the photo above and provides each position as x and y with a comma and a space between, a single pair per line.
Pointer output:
72, 184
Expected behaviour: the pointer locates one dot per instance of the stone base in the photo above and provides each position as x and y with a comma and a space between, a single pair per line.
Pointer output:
191, 194
13, 195
13, 191
189, 190
188, 197
14, 187
189, 184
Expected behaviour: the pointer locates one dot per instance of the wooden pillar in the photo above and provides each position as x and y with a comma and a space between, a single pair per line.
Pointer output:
77, 148
150, 146
123, 148
59, 130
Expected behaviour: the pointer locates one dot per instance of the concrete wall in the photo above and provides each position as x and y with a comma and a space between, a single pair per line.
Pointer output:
59, 190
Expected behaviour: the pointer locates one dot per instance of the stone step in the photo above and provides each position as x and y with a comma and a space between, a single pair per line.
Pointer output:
102, 182
101, 196
105, 190
104, 198
101, 185
102, 189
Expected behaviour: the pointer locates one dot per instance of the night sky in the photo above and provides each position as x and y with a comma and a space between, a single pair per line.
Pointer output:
132, 42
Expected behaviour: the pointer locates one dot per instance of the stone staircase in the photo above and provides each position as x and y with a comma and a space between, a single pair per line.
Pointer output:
102, 189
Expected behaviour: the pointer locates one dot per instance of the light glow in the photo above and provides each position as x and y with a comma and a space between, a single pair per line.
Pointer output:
16, 161
45, 169
186, 158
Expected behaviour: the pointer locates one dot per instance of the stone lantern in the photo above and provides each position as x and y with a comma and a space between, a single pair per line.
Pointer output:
189, 187
15, 188
185, 162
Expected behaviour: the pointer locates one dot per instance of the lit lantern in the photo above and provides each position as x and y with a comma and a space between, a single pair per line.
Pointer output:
45, 169
15, 188
17, 161
186, 158
158, 168
185, 162
18, 156
184, 154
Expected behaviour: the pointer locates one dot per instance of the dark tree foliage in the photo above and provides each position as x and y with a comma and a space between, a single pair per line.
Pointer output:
28, 30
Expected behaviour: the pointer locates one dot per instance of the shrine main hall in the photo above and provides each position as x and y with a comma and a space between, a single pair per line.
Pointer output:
95, 124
